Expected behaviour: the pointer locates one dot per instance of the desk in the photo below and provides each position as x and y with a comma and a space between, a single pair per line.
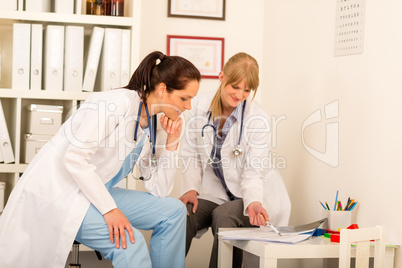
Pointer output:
269, 253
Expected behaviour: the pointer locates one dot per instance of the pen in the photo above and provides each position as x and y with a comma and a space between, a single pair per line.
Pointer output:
353, 206
336, 200
347, 203
273, 228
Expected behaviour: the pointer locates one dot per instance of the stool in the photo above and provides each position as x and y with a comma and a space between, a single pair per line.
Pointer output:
75, 258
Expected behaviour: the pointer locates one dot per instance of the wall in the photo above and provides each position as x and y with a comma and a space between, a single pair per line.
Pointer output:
302, 75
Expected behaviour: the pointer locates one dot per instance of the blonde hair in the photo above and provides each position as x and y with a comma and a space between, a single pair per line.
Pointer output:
239, 67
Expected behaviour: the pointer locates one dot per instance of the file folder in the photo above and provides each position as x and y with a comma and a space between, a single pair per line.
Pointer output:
111, 60
125, 57
73, 58
92, 58
64, 6
21, 55
5, 143
36, 56
38, 5
54, 58
8, 5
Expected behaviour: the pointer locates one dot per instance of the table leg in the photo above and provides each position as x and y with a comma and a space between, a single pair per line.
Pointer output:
225, 254
268, 263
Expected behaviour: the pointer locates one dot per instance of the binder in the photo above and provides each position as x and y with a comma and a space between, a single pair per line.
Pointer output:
54, 58
125, 57
111, 60
5, 143
8, 5
36, 56
38, 5
21, 55
64, 6
0, 66
73, 58
92, 59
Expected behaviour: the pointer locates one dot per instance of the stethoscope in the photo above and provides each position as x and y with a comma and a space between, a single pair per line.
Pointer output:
152, 138
237, 152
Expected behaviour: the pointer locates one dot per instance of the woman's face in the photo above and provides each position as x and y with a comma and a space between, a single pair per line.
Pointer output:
178, 101
233, 94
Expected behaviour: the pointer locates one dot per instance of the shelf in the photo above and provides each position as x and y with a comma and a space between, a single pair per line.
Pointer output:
43, 94
13, 168
67, 18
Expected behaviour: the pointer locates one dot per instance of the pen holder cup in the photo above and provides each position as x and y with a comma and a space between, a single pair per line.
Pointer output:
338, 219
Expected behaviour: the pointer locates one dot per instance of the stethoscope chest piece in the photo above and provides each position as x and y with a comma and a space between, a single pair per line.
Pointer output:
153, 160
237, 152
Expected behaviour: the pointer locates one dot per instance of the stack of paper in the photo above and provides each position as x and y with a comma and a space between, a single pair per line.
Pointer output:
290, 234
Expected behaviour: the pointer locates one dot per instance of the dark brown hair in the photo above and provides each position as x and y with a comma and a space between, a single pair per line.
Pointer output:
158, 68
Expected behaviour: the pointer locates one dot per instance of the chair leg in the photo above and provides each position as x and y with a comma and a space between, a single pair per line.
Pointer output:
75, 262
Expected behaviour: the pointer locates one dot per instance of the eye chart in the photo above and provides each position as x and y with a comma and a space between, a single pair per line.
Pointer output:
349, 27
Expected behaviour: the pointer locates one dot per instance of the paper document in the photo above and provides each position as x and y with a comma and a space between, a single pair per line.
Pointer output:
290, 234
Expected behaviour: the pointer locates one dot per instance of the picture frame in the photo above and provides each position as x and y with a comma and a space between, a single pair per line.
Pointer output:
206, 9
206, 53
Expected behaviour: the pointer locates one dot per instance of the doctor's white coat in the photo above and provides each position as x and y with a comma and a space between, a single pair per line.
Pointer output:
49, 202
250, 177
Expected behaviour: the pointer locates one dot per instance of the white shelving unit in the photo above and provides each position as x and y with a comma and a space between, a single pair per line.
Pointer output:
15, 101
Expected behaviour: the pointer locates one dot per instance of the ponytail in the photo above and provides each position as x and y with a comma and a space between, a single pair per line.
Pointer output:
158, 68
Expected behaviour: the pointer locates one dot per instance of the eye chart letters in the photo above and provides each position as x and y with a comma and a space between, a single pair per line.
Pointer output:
349, 27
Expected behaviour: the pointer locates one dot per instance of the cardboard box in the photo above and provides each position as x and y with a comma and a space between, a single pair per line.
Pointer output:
33, 143
44, 119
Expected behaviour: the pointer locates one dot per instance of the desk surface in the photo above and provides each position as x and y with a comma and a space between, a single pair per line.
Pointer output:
315, 247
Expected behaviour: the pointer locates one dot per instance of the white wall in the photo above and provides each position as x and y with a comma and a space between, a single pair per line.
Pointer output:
302, 75
293, 42
243, 31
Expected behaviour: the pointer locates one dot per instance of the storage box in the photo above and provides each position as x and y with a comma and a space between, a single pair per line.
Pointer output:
44, 119
2, 189
33, 143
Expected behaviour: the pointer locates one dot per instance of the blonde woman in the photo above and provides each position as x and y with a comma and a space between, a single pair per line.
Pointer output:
228, 180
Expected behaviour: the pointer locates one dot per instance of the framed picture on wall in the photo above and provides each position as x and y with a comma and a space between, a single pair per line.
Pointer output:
206, 53
205, 9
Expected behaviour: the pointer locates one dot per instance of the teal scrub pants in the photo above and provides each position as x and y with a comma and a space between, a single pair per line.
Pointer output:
166, 217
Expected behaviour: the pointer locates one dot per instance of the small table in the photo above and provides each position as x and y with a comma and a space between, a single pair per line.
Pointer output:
269, 253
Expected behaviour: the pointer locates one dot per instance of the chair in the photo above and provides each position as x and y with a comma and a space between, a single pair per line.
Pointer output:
361, 238
75, 258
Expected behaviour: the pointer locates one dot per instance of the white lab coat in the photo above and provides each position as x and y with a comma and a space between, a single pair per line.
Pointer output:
49, 202
249, 177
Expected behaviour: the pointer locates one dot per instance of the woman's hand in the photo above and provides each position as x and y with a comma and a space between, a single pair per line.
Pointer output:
117, 224
190, 197
257, 214
173, 129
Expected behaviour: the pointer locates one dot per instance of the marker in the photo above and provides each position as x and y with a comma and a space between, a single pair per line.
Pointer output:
273, 228
353, 206
336, 200
322, 205
347, 203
